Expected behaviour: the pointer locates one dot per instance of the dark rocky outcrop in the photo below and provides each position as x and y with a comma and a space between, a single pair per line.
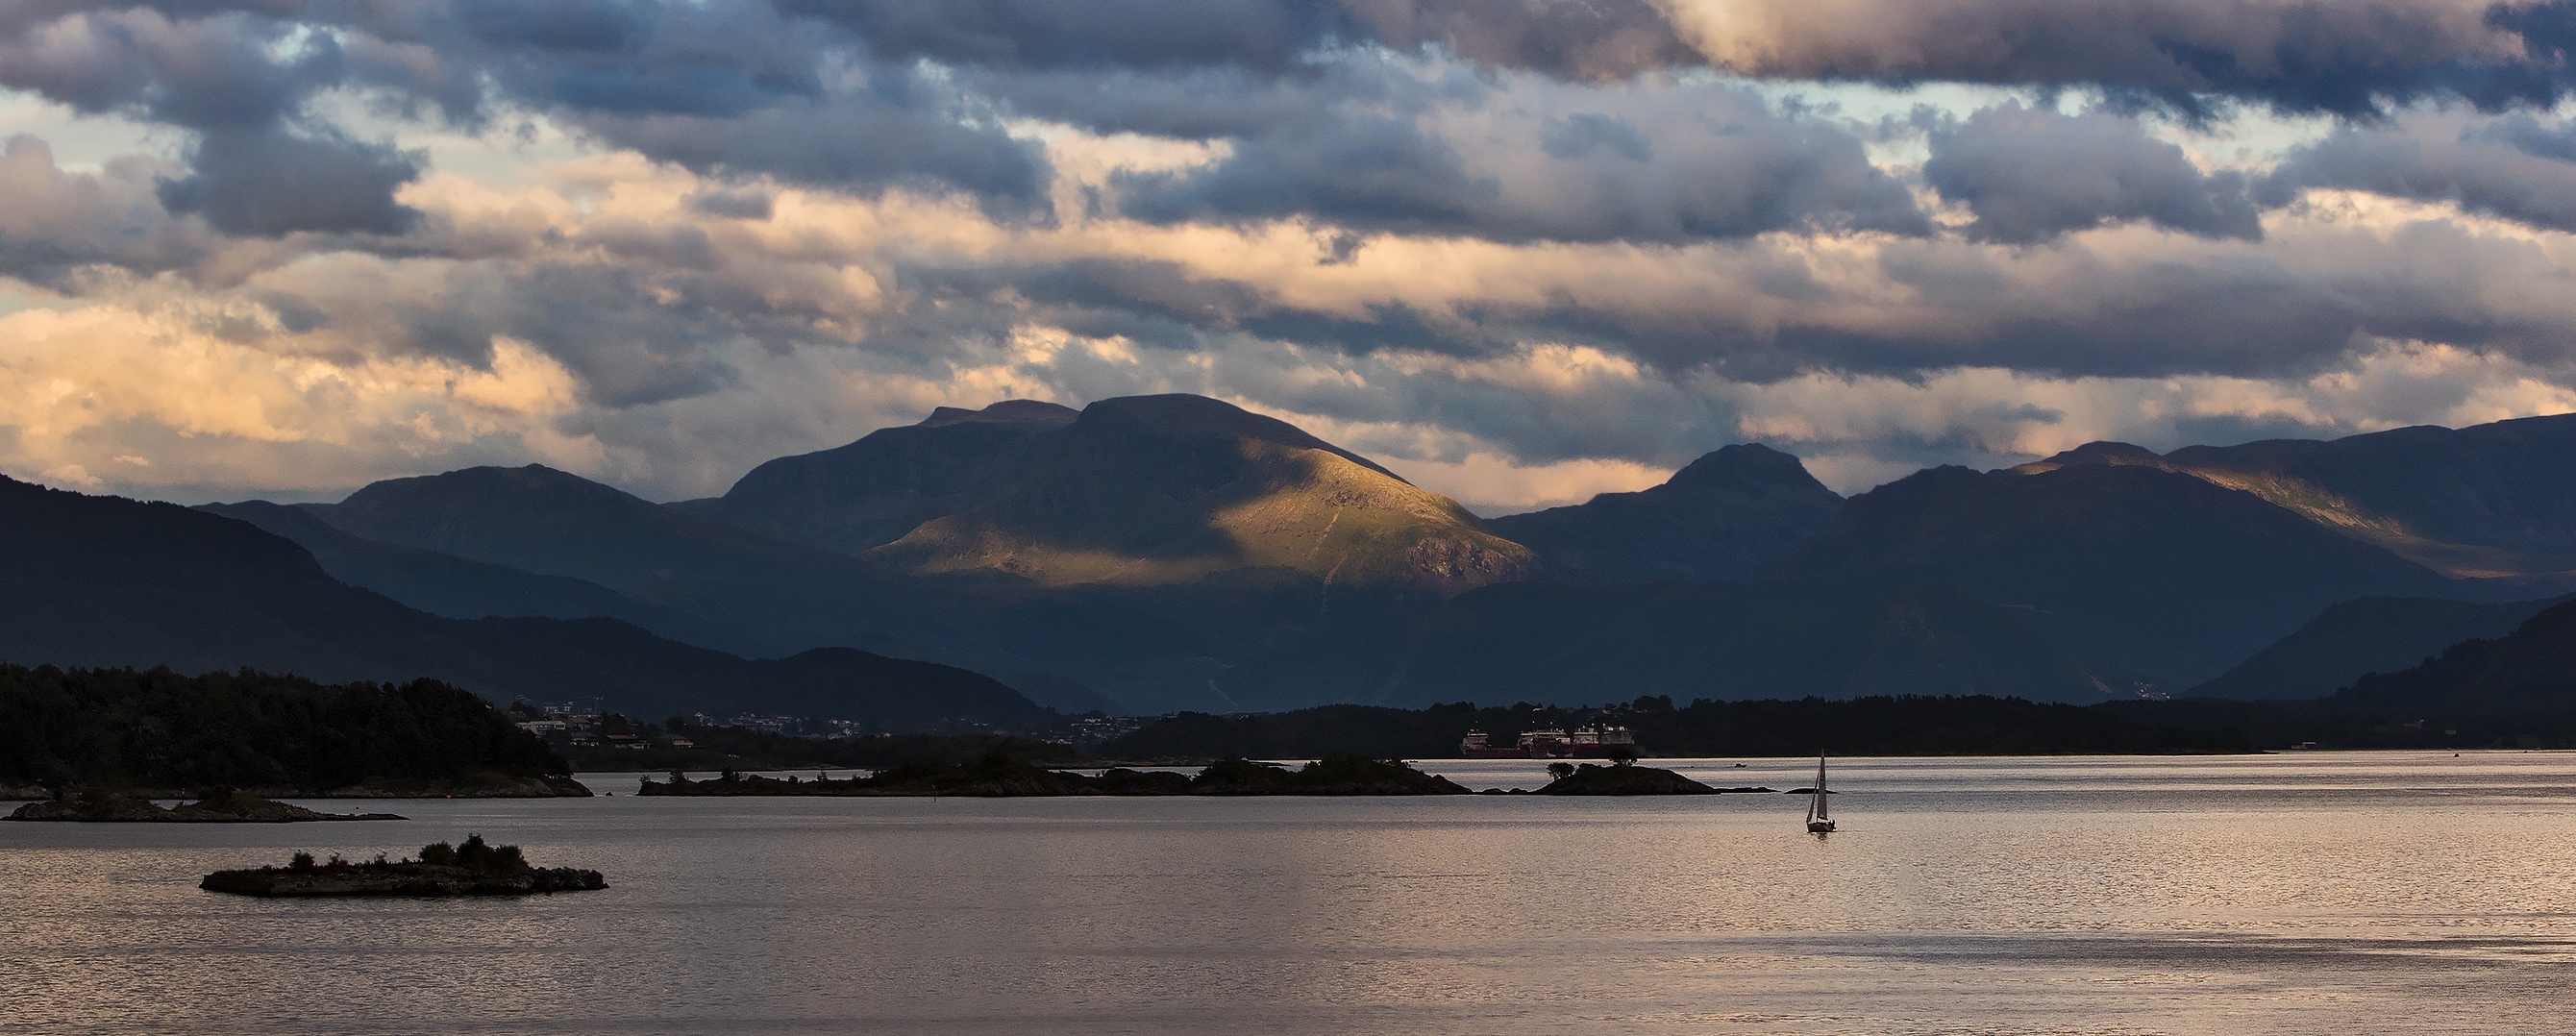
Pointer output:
470, 869
1339, 774
401, 879
1589, 779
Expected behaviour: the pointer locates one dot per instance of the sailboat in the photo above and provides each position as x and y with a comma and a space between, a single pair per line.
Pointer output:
1819, 812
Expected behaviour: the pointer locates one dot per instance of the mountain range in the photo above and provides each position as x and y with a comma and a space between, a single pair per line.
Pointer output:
103, 581
1153, 553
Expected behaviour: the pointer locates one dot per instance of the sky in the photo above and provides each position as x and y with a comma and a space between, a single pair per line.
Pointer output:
1522, 251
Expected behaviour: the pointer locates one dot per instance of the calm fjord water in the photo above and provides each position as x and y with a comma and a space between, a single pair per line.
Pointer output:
2317, 893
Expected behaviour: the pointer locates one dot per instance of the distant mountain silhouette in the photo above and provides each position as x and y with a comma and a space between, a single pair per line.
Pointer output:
2489, 500
540, 520
1151, 647
871, 492
1164, 490
1177, 552
2211, 573
1723, 517
2354, 638
105, 581
457, 588
2532, 669
1589, 644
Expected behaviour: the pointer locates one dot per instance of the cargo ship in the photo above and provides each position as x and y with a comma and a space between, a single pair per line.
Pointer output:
1550, 743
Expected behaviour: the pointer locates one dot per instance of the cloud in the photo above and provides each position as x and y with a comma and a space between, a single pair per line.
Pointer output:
224, 69
266, 182
1579, 39
736, 89
238, 81
1582, 39
1506, 245
173, 396
1430, 149
856, 145
2516, 167
1266, 34
2031, 174
53, 223
2358, 57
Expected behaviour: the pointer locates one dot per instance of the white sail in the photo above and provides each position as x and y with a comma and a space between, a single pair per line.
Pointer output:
1820, 818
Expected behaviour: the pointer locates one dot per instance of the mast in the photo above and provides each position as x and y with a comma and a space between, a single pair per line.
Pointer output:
1818, 809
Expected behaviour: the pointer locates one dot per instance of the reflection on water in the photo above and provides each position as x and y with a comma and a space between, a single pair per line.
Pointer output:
2380, 892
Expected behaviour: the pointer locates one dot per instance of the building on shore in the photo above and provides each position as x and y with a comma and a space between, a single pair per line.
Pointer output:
1584, 742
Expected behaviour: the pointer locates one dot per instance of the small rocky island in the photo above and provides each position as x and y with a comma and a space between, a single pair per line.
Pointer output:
999, 776
1623, 779
213, 806
470, 869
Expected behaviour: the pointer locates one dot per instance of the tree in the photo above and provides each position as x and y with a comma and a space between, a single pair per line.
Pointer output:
1621, 755
1560, 771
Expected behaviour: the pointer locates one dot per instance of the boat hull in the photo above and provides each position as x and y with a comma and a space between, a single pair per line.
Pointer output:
1820, 826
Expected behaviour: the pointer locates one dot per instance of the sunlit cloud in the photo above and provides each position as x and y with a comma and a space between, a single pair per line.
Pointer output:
1523, 260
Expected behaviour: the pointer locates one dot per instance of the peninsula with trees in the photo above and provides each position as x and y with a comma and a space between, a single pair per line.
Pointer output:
75, 733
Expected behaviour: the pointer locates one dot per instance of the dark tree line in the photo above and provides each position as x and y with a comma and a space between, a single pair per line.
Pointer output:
1901, 725
737, 748
157, 729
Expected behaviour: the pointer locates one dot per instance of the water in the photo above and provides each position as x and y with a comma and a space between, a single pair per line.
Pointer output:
2367, 892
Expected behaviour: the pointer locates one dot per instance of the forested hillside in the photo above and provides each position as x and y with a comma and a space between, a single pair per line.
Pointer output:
157, 730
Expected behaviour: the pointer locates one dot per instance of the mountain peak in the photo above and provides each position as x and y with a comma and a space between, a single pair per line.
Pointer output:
1008, 411
1740, 465
478, 481
1182, 416
1721, 517
1157, 490
2098, 452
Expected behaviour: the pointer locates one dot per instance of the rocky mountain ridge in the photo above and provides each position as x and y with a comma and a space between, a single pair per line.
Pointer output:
1163, 552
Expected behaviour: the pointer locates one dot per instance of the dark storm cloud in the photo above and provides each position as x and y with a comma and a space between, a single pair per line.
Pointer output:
1266, 34
1576, 137
1587, 39
726, 89
2031, 174
2354, 57
268, 181
2129, 307
618, 329
208, 71
856, 144
238, 81
2516, 167
2531, 137
732, 204
1380, 150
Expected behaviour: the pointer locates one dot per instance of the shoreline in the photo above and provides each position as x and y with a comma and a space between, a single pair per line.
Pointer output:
532, 788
